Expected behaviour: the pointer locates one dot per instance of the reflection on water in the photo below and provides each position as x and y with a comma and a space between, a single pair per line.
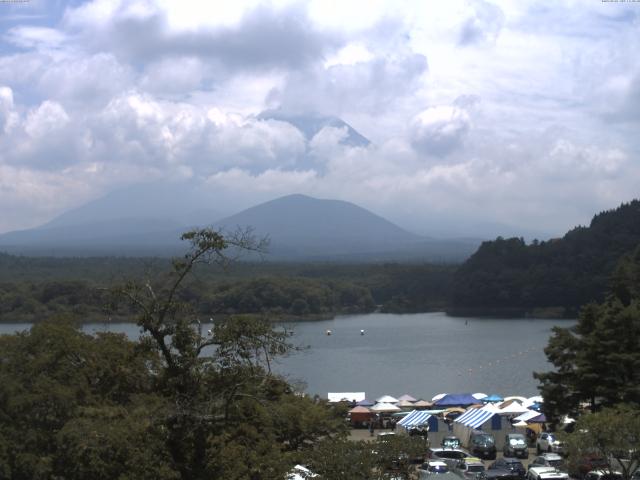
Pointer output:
420, 354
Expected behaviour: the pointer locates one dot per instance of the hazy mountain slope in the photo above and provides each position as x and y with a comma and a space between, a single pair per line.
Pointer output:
177, 203
307, 226
299, 227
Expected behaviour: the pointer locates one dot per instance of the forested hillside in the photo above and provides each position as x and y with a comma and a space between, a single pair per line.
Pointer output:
556, 277
34, 288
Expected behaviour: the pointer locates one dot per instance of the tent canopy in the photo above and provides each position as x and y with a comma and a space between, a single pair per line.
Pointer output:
345, 397
541, 418
423, 404
526, 416
513, 408
407, 398
456, 400
493, 398
384, 407
416, 418
475, 417
365, 403
359, 410
387, 399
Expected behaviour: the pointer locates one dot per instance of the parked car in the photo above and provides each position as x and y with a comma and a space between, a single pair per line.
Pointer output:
483, 445
514, 465
547, 442
549, 460
603, 475
470, 467
435, 467
451, 442
546, 473
451, 456
498, 474
515, 445
426, 475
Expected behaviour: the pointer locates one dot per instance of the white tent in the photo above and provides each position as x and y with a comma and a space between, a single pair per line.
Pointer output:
479, 396
514, 408
438, 397
407, 397
526, 416
531, 400
345, 397
384, 408
387, 399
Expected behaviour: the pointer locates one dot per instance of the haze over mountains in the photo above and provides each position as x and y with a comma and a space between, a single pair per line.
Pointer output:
141, 222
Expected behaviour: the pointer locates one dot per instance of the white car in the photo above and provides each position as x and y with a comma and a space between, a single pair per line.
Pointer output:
546, 473
434, 467
547, 442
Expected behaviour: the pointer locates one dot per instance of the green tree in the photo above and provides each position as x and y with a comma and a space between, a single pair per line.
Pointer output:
597, 361
612, 434
226, 419
53, 377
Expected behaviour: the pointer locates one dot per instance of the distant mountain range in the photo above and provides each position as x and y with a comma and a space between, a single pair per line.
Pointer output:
141, 222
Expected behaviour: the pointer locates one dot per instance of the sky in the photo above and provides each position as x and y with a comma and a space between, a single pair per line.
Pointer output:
505, 112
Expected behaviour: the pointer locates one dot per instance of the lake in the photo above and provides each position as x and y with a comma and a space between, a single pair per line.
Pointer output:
420, 354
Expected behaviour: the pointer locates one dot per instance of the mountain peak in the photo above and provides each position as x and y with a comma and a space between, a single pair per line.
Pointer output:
310, 124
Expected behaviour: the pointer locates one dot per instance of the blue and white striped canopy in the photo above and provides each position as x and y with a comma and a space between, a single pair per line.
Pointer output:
415, 419
475, 417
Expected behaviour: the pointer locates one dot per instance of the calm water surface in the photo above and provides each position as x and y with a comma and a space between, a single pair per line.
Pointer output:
420, 354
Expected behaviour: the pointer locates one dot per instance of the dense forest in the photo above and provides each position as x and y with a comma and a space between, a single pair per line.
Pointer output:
34, 288
507, 277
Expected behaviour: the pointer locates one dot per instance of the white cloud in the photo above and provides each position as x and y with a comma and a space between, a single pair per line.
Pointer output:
47, 119
504, 110
440, 130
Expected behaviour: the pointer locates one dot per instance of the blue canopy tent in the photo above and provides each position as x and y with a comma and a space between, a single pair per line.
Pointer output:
456, 400
365, 403
493, 398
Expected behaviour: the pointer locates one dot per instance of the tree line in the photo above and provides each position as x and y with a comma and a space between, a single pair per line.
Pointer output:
283, 291
509, 277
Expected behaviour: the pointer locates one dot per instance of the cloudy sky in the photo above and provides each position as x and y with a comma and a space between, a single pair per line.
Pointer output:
517, 112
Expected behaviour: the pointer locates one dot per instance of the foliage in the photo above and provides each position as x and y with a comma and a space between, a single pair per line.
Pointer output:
57, 381
391, 456
509, 277
178, 403
612, 434
48, 287
597, 361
